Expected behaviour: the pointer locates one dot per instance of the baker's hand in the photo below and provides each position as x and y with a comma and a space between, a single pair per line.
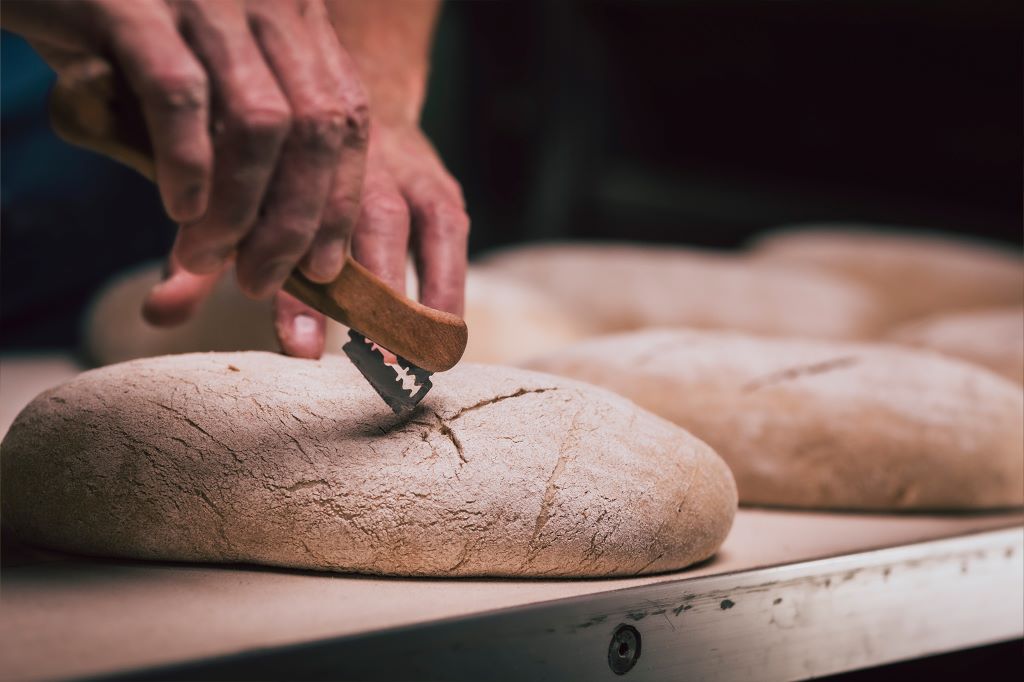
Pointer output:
409, 200
277, 182
408, 197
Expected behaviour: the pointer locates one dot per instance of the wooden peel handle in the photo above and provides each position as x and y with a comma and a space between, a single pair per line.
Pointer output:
89, 108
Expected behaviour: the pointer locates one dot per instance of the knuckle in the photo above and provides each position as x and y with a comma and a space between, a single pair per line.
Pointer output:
263, 123
256, 133
291, 237
190, 162
358, 123
178, 89
232, 217
384, 211
321, 130
339, 215
447, 218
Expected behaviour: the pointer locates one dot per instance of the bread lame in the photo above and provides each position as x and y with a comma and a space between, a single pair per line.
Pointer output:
87, 108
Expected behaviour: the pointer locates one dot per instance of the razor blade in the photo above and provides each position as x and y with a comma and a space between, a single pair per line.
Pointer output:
402, 386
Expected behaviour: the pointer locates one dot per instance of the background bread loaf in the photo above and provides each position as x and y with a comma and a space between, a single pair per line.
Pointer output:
991, 337
615, 287
912, 274
824, 424
227, 321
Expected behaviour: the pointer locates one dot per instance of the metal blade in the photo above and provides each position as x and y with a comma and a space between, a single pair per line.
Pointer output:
402, 387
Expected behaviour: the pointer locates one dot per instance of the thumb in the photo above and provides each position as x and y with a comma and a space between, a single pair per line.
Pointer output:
300, 329
177, 298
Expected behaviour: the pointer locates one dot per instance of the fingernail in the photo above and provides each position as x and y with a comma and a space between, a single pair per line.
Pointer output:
304, 327
325, 262
272, 277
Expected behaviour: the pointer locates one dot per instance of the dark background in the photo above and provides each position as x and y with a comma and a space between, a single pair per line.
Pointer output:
690, 122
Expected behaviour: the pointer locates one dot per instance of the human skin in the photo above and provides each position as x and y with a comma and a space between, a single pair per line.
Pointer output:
277, 180
409, 198
256, 116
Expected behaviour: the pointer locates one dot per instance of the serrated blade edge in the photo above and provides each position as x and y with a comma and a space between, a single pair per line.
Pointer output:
402, 391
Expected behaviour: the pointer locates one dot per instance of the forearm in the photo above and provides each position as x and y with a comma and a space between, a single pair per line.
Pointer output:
390, 42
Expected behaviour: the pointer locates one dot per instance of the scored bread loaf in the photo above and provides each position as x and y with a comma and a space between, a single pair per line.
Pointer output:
806, 423
913, 274
618, 286
255, 457
991, 337
508, 321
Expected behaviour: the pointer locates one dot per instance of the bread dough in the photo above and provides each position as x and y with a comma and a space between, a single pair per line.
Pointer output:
992, 337
615, 287
255, 457
824, 424
508, 322
913, 274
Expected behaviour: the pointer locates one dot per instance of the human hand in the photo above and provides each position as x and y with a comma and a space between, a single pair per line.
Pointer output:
274, 182
411, 202
408, 196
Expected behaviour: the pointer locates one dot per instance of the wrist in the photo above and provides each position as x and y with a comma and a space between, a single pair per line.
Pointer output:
396, 99
390, 44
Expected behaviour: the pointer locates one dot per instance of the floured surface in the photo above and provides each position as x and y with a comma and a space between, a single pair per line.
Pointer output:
254, 457
820, 424
75, 617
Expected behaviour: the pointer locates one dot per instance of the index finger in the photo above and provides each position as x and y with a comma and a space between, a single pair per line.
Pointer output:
172, 87
440, 240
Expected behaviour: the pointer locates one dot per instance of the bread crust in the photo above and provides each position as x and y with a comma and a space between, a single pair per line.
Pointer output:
990, 337
912, 274
822, 424
254, 457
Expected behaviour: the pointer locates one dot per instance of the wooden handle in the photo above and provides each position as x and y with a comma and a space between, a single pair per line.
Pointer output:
88, 107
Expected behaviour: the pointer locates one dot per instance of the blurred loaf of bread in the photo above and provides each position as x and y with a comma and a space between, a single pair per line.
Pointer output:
115, 331
914, 274
990, 337
823, 424
619, 286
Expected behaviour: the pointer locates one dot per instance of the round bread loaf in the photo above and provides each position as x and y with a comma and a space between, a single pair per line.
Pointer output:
227, 320
615, 287
824, 424
255, 457
508, 322
913, 274
992, 337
